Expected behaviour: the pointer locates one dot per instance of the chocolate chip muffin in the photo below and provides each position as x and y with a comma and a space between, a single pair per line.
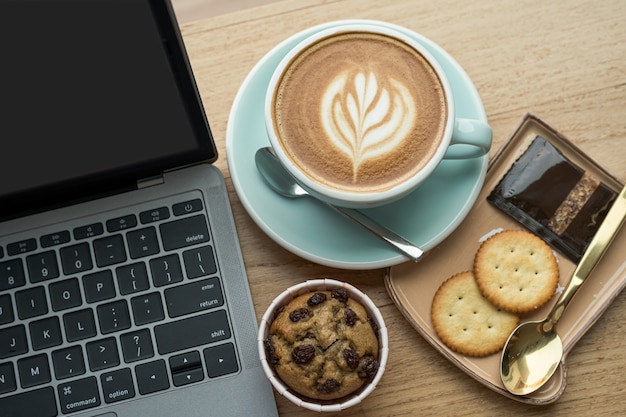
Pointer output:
323, 345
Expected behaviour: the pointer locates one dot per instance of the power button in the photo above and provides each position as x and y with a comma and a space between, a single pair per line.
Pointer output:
187, 207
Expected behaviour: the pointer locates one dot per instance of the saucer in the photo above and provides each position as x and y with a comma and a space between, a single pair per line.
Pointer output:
315, 232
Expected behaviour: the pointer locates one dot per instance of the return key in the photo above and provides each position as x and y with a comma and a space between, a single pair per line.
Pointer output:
197, 296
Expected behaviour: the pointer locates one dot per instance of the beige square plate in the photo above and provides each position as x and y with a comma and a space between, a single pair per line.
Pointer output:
412, 286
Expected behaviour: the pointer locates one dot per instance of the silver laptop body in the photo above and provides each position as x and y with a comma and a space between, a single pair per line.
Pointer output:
122, 286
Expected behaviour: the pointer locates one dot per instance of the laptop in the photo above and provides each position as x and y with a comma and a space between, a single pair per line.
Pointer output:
122, 286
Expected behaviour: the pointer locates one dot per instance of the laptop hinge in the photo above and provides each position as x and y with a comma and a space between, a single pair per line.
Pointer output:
149, 182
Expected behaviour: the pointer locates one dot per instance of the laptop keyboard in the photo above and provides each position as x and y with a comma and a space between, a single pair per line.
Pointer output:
108, 310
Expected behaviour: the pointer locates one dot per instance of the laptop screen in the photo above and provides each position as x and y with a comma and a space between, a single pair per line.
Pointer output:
94, 95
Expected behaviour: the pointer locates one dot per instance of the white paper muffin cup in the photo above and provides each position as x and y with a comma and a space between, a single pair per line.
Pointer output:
320, 285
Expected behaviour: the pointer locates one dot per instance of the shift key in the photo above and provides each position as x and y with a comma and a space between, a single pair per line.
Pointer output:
194, 297
185, 232
191, 332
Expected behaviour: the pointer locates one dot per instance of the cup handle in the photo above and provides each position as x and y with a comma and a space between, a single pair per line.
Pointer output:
470, 139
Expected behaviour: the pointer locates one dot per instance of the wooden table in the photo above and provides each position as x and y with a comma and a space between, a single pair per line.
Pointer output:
562, 60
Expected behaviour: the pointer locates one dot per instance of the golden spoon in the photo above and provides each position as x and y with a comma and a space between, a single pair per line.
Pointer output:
534, 349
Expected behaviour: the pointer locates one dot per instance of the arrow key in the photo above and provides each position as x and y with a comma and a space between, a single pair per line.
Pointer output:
152, 377
180, 363
188, 376
221, 360
186, 368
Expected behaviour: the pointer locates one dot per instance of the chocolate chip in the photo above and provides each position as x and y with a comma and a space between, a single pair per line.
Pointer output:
350, 317
317, 298
270, 352
299, 314
340, 294
302, 354
351, 357
330, 385
369, 367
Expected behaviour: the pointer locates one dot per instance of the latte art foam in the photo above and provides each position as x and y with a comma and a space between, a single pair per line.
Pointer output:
364, 118
359, 112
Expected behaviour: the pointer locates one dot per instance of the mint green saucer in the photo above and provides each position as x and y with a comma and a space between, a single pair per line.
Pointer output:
311, 230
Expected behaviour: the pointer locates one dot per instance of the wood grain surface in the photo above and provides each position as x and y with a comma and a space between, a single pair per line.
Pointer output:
561, 60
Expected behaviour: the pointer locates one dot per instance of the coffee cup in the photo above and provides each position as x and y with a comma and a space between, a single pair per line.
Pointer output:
361, 114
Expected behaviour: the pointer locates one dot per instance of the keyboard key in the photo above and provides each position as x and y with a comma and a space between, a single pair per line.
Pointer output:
42, 266
142, 242
45, 333
88, 231
117, 385
99, 286
185, 360
221, 360
147, 308
121, 223
6, 309
187, 376
79, 394
102, 354
152, 377
39, 402
136, 345
199, 262
113, 317
7, 378
31, 302
166, 270
79, 325
109, 250
34, 370
54, 239
65, 294
13, 341
155, 215
76, 258
186, 368
187, 207
11, 274
191, 332
132, 278
68, 362
23, 246
185, 232
197, 296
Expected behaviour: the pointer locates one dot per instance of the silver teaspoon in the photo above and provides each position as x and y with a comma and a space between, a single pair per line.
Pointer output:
534, 350
277, 177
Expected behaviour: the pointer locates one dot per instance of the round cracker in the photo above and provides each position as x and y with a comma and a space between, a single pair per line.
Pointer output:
516, 270
466, 321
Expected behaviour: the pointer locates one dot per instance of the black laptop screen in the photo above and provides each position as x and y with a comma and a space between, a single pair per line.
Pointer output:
94, 95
